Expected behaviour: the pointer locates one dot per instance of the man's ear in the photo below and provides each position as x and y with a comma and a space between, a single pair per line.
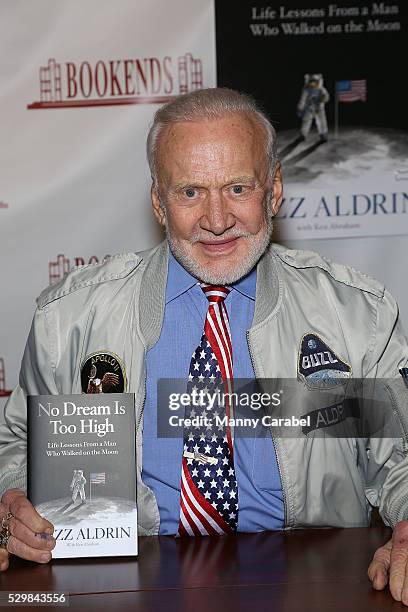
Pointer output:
277, 190
157, 207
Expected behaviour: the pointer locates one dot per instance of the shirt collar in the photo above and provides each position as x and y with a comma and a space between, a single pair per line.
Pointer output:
179, 280
247, 285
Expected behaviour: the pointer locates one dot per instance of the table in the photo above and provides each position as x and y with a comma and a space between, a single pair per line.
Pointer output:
299, 570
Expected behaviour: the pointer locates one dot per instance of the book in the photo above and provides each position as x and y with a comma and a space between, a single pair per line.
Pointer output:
82, 471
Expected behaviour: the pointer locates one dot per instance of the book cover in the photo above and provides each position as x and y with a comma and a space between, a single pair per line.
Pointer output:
82, 471
331, 79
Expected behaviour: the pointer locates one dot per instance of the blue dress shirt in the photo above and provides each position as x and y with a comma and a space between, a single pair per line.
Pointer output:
259, 486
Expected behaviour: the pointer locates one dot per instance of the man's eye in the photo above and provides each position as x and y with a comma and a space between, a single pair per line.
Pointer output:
190, 192
237, 189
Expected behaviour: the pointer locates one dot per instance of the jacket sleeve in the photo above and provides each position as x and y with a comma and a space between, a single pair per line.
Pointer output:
36, 377
387, 466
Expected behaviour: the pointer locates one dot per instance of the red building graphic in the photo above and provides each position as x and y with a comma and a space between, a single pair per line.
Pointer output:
3, 390
190, 73
50, 82
58, 269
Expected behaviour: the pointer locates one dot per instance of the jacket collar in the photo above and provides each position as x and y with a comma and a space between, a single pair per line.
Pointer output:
269, 287
153, 291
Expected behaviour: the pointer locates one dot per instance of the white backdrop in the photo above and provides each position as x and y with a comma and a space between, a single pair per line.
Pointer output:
73, 176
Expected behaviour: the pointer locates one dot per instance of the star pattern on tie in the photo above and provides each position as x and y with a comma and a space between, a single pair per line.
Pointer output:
216, 483
209, 492
204, 364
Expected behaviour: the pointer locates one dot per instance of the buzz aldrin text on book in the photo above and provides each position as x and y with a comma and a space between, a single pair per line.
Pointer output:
82, 471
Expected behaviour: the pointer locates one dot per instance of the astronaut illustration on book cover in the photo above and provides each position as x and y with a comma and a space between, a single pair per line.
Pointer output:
311, 106
83, 502
78, 486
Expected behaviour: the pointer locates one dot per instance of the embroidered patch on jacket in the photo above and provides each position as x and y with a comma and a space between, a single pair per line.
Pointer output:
331, 415
319, 363
103, 372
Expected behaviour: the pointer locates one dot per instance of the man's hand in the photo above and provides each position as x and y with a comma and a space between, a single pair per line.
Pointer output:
31, 535
390, 564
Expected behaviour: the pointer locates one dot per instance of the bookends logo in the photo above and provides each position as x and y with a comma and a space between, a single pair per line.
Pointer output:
103, 372
149, 80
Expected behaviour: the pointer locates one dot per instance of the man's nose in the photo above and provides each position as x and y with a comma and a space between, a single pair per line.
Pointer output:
217, 217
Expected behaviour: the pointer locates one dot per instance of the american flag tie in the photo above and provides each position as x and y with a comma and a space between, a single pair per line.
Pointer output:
209, 492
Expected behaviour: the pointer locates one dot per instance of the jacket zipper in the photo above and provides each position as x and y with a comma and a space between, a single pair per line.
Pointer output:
139, 420
285, 508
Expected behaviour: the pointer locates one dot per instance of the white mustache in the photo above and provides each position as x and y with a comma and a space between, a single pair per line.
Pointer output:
232, 234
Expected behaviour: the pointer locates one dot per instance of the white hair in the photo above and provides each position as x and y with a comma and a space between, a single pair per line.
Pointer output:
211, 103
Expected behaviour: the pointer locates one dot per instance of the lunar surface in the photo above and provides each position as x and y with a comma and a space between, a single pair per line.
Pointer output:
99, 509
357, 153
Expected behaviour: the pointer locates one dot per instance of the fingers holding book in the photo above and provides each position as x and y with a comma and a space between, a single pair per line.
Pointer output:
23, 532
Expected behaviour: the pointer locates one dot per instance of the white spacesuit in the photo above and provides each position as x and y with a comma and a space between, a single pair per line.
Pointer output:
311, 106
78, 486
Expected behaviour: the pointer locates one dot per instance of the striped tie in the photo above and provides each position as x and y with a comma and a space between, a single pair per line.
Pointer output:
209, 493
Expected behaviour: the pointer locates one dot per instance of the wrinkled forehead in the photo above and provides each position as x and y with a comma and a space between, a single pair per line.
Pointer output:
234, 137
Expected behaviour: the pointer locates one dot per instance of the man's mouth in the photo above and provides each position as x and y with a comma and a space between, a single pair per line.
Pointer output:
219, 246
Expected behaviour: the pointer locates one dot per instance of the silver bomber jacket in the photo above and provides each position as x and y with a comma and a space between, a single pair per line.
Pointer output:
117, 306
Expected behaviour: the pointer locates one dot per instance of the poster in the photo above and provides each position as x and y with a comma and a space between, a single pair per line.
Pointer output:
331, 77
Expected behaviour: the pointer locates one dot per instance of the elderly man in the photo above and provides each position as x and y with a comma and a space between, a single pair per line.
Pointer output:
218, 290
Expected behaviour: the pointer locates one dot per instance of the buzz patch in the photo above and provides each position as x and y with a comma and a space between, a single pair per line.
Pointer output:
319, 363
103, 372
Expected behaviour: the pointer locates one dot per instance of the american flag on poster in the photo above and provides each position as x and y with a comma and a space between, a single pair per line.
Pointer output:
352, 91
98, 478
